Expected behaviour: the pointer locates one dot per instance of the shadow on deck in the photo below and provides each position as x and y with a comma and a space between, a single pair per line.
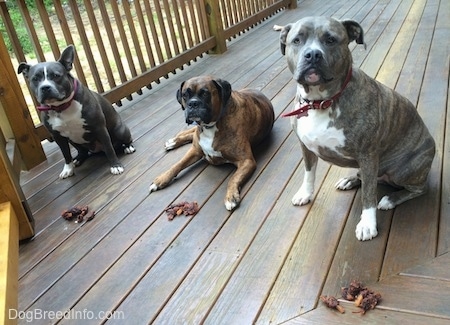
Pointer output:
268, 261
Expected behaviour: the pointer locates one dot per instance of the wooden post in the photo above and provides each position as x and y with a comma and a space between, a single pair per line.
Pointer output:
9, 263
16, 110
10, 191
293, 4
215, 25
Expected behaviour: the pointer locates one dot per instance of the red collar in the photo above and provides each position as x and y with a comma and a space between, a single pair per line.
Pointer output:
61, 107
301, 109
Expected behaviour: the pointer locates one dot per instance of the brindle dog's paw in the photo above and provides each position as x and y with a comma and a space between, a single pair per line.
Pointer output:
366, 229
304, 194
347, 183
117, 169
386, 203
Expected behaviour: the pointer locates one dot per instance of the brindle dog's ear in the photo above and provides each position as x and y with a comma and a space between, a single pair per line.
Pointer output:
24, 68
67, 57
354, 31
224, 89
283, 36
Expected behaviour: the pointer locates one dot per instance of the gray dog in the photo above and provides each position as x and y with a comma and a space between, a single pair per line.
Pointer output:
74, 114
349, 119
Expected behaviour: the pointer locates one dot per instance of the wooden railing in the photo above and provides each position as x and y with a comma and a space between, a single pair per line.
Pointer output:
124, 46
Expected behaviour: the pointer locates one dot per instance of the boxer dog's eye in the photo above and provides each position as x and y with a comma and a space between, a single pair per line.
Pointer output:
203, 92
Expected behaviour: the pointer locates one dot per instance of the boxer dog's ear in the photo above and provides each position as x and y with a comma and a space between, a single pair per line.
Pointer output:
180, 94
224, 89
283, 36
67, 57
354, 31
24, 68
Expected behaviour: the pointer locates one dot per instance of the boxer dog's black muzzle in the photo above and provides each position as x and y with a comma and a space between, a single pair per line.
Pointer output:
197, 111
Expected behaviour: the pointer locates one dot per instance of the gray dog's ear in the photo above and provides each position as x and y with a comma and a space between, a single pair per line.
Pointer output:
283, 36
67, 57
224, 88
180, 94
23, 68
354, 31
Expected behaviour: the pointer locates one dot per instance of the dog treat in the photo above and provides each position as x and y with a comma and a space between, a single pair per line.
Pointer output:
177, 209
352, 291
332, 302
363, 297
78, 213
367, 299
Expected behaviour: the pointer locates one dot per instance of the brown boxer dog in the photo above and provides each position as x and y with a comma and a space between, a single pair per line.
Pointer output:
229, 124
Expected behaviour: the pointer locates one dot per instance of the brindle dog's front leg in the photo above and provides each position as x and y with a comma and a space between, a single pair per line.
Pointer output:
245, 169
192, 156
306, 191
367, 226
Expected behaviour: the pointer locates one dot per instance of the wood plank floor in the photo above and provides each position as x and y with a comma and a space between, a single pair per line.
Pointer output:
268, 261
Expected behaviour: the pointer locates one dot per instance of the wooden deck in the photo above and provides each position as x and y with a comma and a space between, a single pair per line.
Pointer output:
268, 261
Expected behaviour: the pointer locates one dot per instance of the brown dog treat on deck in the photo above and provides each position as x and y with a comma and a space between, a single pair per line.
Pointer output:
177, 209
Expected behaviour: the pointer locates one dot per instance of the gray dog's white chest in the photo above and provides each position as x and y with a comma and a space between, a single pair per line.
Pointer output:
69, 123
315, 131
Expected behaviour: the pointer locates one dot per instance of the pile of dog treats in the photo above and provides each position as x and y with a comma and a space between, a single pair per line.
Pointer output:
182, 208
363, 297
78, 213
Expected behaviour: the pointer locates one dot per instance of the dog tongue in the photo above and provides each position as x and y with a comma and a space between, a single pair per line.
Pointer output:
313, 77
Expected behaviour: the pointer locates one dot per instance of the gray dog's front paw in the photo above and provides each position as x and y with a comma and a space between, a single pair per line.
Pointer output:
117, 169
67, 171
129, 149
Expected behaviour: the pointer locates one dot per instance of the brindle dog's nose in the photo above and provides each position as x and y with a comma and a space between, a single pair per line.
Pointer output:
313, 55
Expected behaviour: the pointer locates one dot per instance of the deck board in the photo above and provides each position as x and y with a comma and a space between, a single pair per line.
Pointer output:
267, 261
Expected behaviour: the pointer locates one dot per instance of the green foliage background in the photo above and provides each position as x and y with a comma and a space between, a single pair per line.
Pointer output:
19, 26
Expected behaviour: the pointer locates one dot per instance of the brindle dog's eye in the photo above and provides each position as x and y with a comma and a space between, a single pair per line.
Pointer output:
296, 40
330, 40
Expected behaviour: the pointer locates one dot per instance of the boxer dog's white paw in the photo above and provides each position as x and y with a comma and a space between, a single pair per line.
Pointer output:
385, 203
129, 149
67, 170
153, 188
347, 183
170, 144
230, 205
366, 229
116, 170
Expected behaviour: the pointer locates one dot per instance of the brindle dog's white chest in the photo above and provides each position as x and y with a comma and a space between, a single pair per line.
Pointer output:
69, 123
206, 143
317, 131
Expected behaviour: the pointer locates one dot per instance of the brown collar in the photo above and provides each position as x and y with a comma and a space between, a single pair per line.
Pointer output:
61, 107
302, 108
